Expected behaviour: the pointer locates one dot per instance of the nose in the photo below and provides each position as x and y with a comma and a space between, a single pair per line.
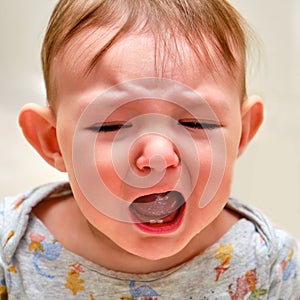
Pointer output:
155, 152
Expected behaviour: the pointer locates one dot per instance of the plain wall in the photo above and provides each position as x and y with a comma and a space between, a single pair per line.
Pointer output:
267, 175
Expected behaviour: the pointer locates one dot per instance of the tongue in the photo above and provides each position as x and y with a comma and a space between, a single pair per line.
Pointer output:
157, 207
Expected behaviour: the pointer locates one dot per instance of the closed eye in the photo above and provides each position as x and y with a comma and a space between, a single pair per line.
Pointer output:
199, 124
109, 127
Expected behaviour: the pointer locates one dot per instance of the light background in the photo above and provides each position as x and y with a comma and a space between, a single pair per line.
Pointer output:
268, 175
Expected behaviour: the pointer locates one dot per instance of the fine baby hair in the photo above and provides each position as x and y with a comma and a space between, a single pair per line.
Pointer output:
214, 30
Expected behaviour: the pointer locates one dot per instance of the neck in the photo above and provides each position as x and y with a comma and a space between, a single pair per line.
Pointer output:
65, 221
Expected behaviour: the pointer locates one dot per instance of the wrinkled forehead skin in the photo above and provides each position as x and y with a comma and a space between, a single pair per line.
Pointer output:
74, 59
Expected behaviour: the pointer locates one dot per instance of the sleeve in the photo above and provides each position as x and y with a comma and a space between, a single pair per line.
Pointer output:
285, 271
3, 289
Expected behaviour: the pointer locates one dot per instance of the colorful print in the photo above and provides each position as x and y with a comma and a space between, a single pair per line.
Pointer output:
12, 269
262, 240
18, 202
287, 266
224, 254
246, 284
78, 267
74, 282
9, 236
43, 250
143, 292
35, 245
3, 290
40, 252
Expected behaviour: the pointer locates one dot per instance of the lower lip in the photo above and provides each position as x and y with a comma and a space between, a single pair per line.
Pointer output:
163, 228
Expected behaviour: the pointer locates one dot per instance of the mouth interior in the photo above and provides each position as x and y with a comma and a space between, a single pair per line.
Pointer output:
157, 208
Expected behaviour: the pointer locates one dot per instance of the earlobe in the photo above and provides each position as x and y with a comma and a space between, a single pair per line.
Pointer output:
39, 128
252, 112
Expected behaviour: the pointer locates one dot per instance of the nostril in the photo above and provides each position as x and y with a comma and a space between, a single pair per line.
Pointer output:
155, 152
158, 163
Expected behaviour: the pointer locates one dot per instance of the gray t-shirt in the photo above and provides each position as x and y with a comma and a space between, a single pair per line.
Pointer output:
253, 260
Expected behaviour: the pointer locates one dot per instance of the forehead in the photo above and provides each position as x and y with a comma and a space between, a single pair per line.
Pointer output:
138, 55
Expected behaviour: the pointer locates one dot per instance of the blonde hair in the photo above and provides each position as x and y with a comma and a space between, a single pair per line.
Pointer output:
202, 24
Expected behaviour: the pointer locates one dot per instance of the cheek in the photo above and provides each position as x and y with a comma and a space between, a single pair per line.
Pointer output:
106, 168
232, 139
205, 162
216, 156
65, 140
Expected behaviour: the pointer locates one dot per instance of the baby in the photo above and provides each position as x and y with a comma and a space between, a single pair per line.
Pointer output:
147, 113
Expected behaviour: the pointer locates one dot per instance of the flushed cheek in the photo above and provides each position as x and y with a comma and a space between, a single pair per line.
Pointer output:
107, 173
207, 201
215, 175
209, 175
192, 176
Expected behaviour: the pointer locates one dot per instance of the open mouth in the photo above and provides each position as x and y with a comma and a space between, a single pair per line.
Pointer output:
158, 210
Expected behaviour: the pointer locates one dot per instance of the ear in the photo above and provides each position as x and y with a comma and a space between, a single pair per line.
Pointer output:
39, 127
252, 112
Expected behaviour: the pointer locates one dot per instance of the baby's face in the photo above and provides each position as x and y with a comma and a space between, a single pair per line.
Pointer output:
150, 160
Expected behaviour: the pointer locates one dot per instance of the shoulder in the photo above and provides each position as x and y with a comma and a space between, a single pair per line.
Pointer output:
285, 270
14, 216
272, 236
275, 251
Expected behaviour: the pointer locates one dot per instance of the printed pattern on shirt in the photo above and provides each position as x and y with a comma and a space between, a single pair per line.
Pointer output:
225, 271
